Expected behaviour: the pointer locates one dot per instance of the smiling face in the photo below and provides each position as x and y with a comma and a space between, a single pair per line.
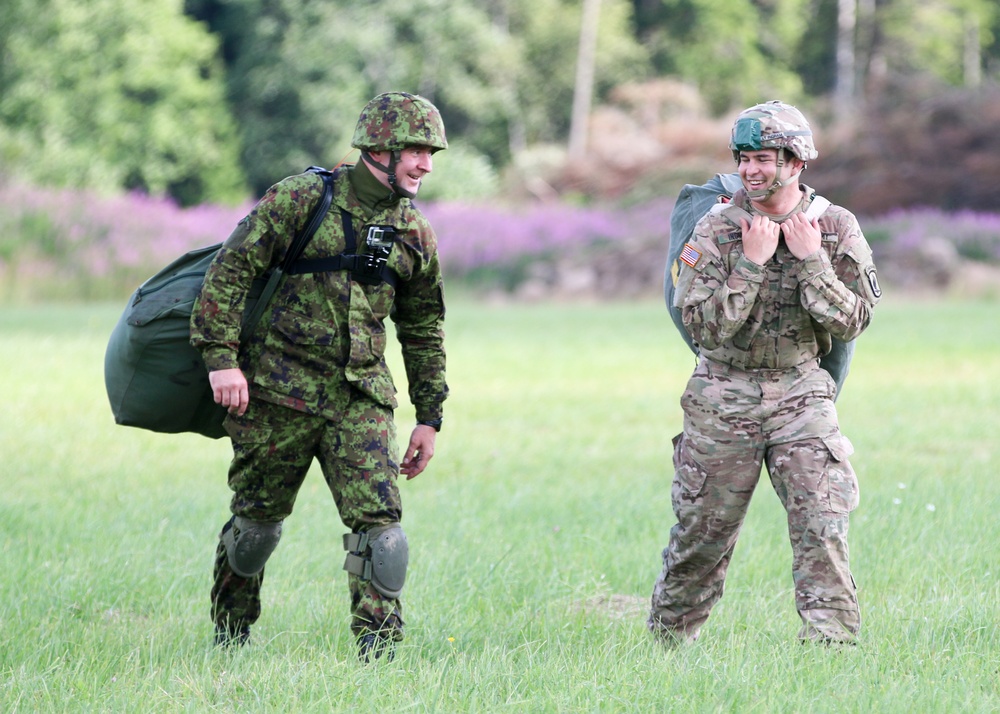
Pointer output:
414, 163
759, 169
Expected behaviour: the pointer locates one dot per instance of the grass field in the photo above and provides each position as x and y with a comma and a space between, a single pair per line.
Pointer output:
535, 536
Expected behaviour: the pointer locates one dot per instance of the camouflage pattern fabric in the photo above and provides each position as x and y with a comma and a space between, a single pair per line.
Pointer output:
319, 384
735, 421
273, 449
394, 120
781, 314
325, 332
758, 397
772, 125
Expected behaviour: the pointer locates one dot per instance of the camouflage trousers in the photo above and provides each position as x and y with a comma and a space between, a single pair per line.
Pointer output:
735, 421
273, 448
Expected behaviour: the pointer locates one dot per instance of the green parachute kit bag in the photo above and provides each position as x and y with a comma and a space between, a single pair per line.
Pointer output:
692, 203
154, 377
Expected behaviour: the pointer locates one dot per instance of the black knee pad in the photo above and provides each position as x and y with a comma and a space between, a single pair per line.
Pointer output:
249, 544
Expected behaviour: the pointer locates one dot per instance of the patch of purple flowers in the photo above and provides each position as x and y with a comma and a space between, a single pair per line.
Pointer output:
975, 235
476, 236
91, 245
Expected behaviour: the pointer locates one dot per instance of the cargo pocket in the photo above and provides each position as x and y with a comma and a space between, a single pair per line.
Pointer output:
246, 430
689, 478
842, 483
367, 347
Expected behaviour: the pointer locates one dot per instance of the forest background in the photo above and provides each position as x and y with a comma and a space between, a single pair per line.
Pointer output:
134, 129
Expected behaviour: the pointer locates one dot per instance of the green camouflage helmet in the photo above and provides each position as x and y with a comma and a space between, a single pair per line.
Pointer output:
773, 125
394, 120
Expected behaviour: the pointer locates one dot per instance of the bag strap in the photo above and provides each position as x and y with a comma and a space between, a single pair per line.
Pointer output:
343, 261
817, 207
294, 251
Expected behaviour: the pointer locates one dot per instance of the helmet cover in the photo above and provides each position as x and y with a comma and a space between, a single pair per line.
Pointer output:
773, 125
394, 120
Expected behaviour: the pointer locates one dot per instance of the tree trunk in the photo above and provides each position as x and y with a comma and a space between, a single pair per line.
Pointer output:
583, 90
847, 18
971, 60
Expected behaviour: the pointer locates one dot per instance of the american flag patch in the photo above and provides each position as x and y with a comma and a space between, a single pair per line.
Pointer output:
690, 255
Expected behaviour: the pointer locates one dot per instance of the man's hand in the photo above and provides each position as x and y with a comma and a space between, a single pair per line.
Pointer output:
419, 452
229, 388
760, 238
802, 235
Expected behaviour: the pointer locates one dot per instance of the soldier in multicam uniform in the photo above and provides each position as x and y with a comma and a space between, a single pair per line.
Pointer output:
312, 381
765, 282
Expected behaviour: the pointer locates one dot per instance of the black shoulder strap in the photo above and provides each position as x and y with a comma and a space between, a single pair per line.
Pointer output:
294, 251
303, 238
344, 261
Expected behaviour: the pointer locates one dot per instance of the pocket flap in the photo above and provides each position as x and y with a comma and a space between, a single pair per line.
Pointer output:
840, 447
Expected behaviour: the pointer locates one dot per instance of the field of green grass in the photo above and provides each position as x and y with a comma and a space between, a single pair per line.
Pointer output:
535, 536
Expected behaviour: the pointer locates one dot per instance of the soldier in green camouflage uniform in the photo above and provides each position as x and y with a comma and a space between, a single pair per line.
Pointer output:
765, 282
312, 381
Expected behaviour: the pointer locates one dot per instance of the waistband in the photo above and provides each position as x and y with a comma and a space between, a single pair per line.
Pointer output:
717, 368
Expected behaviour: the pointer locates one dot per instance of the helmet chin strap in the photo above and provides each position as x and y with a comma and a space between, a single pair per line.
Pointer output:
763, 194
389, 171
766, 193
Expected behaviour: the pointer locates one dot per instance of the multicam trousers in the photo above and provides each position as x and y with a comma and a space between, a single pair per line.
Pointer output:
273, 448
735, 421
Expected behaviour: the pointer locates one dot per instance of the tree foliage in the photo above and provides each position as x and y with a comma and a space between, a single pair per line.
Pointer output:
933, 36
502, 72
737, 52
115, 94
200, 99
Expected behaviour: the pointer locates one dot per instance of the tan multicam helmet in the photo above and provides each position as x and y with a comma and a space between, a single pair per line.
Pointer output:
773, 125
394, 120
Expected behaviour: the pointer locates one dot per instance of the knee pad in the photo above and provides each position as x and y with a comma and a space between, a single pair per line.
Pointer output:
249, 544
379, 555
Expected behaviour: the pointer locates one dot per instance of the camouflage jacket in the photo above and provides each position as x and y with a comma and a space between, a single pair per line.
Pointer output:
324, 332
781, 314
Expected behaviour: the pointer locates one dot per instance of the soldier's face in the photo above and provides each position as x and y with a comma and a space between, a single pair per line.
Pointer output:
758, 168
414, 163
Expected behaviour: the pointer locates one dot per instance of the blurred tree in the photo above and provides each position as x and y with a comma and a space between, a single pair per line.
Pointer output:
816, 58
115, 94
501, 71
583, 88
951, 40
943, 38
738, 52
300, 72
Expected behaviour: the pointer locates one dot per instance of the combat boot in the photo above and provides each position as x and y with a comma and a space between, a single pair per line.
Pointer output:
375, 645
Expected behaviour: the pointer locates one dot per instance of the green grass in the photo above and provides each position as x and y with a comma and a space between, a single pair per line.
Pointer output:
535, 536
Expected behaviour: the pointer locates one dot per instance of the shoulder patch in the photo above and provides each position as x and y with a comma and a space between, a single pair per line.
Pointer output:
872, 277
690, 255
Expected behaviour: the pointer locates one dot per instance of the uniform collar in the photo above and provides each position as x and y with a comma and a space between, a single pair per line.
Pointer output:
372, 195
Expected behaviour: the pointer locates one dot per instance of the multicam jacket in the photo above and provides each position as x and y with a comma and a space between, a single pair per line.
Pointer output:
324, 332
781, 314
